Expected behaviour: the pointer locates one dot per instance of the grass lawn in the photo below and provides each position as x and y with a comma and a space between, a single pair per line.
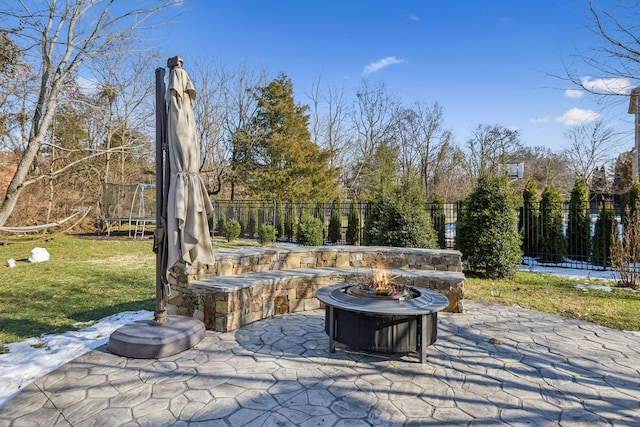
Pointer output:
84, 280
89, 279
617, 309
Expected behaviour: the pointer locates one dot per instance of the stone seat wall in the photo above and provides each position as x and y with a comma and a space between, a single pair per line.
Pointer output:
248, 285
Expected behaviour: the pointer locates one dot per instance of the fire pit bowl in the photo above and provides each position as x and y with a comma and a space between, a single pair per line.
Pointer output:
382, 324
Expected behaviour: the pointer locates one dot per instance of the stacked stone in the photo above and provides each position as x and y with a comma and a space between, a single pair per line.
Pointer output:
248, 285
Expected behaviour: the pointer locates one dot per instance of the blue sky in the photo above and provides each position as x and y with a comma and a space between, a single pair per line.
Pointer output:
484, 61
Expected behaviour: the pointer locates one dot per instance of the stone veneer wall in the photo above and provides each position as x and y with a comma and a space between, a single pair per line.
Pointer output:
196, 292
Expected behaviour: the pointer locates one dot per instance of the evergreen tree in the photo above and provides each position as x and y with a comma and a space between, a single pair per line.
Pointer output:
398, 217
552, 246
280, 229
579, 226
252, 222
291, 225
335, 222
623, 173
633, 197
353, 225
244, 218
222, 220
599, 180
632, 210
310, 230
486, 231
284, 162
439, 220
602, 235
529, 217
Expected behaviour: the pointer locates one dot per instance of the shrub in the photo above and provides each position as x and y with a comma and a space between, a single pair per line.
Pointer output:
310, 230
222, 221
266, 234
633, 201
398, 218
353, 224
439, 221
211, 218
625, 251
602, 235
252, 223
529, 217
244, 218
291, 225
280, 230
579, 226
334, 233
486, 229
232, 230
552, 245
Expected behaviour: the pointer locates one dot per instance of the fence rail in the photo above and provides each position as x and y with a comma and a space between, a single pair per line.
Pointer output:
572, 249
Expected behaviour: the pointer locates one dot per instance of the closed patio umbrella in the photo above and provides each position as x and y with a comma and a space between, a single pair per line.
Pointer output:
182, 230
188, 204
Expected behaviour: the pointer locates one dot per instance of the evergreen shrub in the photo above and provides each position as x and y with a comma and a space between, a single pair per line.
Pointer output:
252, 223
222, 221
244, 218
280, 230
266, 234
579, 226
310, 230
353, 225
486, 231
602, 235
439, 221
232, 230
398, 218
291, 225
529, 218
334, 233
552, 245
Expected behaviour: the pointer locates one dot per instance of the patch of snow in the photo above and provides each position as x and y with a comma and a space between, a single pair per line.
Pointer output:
594, 287
33, 358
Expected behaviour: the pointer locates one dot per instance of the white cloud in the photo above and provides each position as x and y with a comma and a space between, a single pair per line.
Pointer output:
578, 116
619, 86
87, 85
414, 18
385, 62
539, 120
573, 93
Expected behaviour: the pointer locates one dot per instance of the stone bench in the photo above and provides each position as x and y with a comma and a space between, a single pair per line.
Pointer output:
245, 286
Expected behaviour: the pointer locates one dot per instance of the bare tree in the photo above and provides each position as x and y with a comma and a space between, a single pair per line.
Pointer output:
450, 180
59, 38
590, 147
421, 137
545, 166
373, 116
490, 147
239, 106
122, 111
615, 64
329, 125
208, 108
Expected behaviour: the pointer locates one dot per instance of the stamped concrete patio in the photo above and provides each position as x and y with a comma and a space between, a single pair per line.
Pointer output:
493, 365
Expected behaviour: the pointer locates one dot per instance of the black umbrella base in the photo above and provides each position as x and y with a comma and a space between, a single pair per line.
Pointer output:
146, 339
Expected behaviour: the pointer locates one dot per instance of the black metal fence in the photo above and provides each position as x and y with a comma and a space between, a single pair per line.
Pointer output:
549, 236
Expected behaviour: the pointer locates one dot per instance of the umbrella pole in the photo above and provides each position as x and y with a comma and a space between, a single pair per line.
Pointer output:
160, 243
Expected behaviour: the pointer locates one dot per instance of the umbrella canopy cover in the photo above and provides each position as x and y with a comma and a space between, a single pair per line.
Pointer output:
187, 202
